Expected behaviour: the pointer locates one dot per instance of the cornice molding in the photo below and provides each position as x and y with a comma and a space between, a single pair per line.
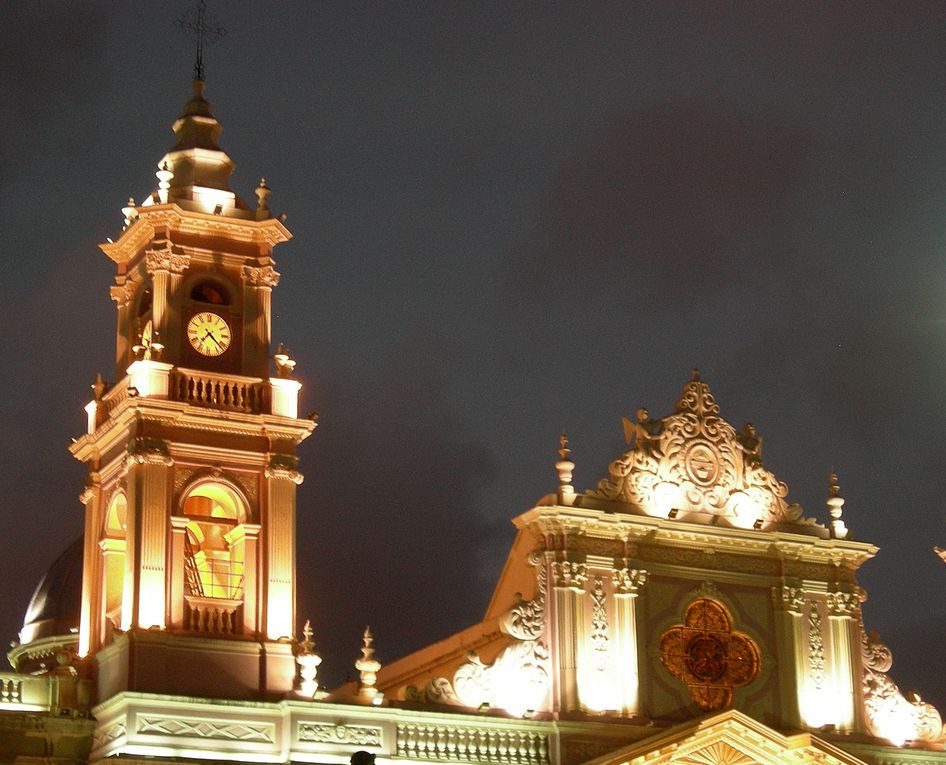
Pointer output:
578, 522
270, 231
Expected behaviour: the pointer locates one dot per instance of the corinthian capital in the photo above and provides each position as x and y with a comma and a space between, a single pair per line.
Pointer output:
122, 293
628, 581
162, 257
266, 276
843, 603
569, 574
791, 599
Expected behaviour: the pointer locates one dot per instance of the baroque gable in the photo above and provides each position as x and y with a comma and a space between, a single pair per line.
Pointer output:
693, 462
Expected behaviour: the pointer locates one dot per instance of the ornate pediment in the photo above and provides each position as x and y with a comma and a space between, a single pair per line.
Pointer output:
728, 738
693, 461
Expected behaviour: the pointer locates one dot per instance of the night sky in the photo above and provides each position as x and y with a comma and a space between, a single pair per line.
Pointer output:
510, 219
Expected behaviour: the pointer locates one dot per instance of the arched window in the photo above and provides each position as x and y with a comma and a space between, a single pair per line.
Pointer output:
211, 292
214, 557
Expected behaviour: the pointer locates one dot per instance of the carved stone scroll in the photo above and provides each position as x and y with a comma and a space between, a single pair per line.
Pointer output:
526, 620
889, 714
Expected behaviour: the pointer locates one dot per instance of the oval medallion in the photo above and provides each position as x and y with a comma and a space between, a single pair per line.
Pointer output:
702, 464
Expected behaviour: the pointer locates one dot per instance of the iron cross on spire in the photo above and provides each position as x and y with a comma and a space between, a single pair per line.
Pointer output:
204, 29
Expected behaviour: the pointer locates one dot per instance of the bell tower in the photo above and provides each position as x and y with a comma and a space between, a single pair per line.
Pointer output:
189, 557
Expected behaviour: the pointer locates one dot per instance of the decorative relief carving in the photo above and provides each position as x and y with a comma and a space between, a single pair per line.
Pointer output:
791, 599
266, 276
230, 731
707, 654
164, 257
326, 733
250, 485
708, 589
843, 603
122, 292
567, 573
526, 620
182, 476
719, 753
438, 690
694, 461
689, 556
889, 714
103, 736
148, 451
628, 581
816, 668
599, 626
608, 548
520, 666
442, 743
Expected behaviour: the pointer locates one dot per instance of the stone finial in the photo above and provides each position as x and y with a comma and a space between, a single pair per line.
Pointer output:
565, 468
164, 174
368, 667
284, 364
155, 347
262, 196
130, 212
98, 387
308, 660
835, 502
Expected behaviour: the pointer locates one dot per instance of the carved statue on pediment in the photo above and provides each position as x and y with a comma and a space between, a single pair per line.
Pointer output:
642, 433
693, 460
751, 444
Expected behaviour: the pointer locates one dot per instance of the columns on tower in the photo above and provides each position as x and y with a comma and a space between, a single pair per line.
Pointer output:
148, 481
627, 585
800, 708
166, 264
845, 652
258, 283
568, 581
279, 533
88, 628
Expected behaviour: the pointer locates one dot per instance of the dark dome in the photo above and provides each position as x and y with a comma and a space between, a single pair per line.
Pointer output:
55, 606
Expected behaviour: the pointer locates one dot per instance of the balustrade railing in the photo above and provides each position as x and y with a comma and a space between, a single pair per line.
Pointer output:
11, 690
212, 616
235, 394
441, 743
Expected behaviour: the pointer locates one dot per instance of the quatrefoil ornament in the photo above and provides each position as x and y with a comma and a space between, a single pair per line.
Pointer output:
707, 654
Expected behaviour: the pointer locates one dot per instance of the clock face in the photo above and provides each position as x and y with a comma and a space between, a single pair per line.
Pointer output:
208, 333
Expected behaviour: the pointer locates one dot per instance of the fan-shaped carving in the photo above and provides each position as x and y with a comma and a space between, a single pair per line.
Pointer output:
719, 753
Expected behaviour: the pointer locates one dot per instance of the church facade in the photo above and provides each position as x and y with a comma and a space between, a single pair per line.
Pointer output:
681, 611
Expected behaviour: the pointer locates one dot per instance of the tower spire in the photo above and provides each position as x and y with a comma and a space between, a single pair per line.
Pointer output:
205, 31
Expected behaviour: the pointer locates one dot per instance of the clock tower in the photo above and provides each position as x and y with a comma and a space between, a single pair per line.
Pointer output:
189, 551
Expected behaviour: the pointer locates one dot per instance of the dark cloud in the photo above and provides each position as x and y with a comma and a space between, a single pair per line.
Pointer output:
671, 194
389, 527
